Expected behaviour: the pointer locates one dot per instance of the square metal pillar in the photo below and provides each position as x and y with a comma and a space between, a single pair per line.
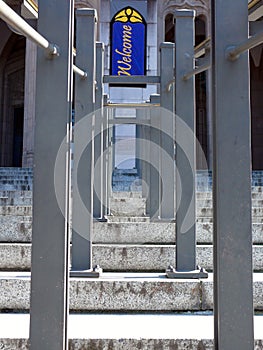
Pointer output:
154, 135
98, 138
233, 286
83, 161
185, 152
50, 233
167, 171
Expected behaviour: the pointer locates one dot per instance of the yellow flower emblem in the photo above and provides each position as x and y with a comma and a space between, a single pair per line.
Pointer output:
128, 15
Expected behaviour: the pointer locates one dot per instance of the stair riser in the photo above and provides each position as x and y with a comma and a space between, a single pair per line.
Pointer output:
17, 257
19, 229
122, 344
129, 295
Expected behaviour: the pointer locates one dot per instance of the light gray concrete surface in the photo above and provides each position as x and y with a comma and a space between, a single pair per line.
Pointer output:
15, 228
124, 292
119, 257
121, 230
18, 210
128, 206
125, 331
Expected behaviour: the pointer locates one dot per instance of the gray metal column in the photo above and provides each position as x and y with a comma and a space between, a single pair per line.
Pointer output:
50, 234
83, 166
138, 150
185, 151
167, 206
153, 199
105, 156
110, 158
233, 292
143, 149
98, 140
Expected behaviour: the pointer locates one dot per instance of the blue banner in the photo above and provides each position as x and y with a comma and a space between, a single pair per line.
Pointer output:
128, 43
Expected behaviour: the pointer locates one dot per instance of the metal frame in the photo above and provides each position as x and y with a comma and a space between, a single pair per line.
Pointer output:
50, 234
98, 140
167, 126
185, 266
233, 286
83, 164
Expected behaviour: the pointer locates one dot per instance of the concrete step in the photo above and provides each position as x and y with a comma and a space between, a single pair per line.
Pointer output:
128, 206
120, 257
124, 230
118, 292
16, 187
122, 209
15, 228
127, 219
126, 331
126, 194
16, 210
17, 198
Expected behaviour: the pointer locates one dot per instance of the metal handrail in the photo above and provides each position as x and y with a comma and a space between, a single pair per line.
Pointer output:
19, 25
233, 52
196, 71
15, 21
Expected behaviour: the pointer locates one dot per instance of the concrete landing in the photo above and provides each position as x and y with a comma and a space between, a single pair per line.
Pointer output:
122, 331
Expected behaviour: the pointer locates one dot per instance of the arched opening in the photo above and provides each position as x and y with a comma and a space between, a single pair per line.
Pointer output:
169, 31
256, 89
201, 101
12, 112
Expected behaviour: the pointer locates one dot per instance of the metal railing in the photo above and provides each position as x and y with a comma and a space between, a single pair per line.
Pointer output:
19, 25
233, 52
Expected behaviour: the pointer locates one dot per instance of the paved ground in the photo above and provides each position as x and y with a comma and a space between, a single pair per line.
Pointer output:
112, 326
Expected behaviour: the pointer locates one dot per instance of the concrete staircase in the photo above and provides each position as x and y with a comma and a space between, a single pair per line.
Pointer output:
144, 309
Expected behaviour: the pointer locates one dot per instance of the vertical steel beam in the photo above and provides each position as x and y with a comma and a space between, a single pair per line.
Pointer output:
83, 166
50, 237
153, 200
138, 150
143, 150
105, 156
167, 62
98, 140
186, 164
110, 158
233, 292
185, 151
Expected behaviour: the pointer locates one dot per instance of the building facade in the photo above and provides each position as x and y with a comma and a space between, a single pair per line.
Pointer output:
18, 76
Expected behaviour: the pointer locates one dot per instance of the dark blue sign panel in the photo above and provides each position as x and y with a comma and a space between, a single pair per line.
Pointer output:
128, 43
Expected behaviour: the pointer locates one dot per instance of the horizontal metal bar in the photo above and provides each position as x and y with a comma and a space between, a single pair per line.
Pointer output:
198, 70
131, 79
252, 3
201, 49
79, 71
20, 25
233, 52
117, 121
132, 105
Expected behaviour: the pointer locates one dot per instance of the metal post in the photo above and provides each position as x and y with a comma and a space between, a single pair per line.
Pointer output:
185, 151
98, 140
138, 150
110, 158
50, 236
167, 206
105, 156
153, 200
233, 288
143, 150
83, 166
